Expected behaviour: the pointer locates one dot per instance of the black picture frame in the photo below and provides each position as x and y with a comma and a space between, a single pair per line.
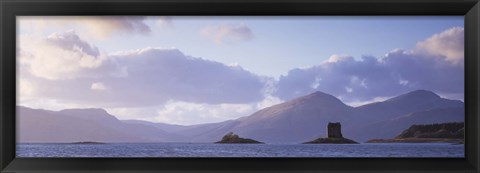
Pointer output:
11, 8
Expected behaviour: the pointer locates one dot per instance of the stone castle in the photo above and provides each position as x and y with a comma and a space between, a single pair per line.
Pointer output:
334, 136
334, 130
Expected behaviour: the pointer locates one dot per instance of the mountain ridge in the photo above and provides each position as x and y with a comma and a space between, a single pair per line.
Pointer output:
297, 120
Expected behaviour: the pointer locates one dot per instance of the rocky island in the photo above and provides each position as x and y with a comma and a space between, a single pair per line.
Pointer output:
87, 142
334, 136
232, 138
445, 132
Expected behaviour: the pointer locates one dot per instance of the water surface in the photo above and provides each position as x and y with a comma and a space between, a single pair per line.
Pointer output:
242, 150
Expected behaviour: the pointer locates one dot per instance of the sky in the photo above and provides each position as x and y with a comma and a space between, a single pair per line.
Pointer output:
193, 69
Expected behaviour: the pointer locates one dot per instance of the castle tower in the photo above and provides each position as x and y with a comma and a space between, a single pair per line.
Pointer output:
334, 130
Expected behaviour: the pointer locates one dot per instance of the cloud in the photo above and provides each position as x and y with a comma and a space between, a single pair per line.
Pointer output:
98, 86
70, 41
62, 66
165, 85
448, 44
106, 26
397, 72
60, 55
185, 113
228, 33
190, 113
164, 21
96, 26
339, 58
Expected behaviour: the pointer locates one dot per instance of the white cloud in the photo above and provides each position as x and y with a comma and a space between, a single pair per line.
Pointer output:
316, 83
339, 58
268, 101
134, 113
26, 88
59, 56
98, 86
349, 89
360, 103
164, 21
52, 104
403, 82
228, 33
186, 113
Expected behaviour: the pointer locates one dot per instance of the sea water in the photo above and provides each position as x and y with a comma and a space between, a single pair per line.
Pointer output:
424, 150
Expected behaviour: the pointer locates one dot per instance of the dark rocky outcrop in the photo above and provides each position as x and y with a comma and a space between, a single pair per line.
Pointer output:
417, 140
334, 136
454, 130
445, 132
232, 138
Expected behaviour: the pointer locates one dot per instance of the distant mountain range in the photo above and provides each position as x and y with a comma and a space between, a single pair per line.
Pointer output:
295, 121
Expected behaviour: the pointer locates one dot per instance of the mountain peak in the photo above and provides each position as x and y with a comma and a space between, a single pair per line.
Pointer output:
423, 93
417, 95
89, 113
319, 97
90, 110
319, 94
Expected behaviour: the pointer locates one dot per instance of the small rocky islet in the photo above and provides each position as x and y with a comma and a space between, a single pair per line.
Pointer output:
232, 138
87, 142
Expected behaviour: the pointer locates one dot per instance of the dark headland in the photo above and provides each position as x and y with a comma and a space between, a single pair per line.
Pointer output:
334, 136
232, 138
445, 132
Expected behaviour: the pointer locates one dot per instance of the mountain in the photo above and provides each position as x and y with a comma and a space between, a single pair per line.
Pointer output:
419, 100
295, 121
305, 118
289, 122
75, 125
382, 115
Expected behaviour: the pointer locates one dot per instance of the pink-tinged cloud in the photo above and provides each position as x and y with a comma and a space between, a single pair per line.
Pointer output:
97, 27
106, 26
448, 44
228, 33
59, 56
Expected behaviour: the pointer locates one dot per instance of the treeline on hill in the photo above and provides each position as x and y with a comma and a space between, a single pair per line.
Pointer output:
453, 130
